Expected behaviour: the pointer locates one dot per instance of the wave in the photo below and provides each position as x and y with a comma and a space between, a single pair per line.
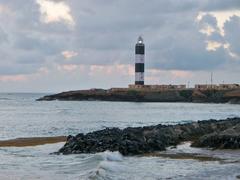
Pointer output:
5, 99
109, 165
112, 156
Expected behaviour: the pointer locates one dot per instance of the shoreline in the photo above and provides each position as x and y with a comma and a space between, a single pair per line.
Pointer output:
134, 95
147, 140
32, 141
202, 155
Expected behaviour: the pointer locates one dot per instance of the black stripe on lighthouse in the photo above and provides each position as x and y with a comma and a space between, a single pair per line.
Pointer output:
139, 49
139, 67
139, 62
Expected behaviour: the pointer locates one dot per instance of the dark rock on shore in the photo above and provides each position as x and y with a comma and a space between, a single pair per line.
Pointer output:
227, 139
186, 95
140, 140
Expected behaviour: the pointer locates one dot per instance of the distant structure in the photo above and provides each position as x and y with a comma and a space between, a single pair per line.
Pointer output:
139, 62
159, 87
139, 71
141, 86
217, 86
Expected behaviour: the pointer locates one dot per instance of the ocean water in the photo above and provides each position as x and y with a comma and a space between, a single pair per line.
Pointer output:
22, 116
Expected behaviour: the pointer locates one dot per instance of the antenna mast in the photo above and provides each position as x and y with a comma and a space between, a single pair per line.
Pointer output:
211, 80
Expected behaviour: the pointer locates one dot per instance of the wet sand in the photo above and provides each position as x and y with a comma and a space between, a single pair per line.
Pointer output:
32, 141
184, 156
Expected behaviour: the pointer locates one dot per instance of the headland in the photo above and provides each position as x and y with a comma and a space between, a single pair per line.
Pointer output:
158, 93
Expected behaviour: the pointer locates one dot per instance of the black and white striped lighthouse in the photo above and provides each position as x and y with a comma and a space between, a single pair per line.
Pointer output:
139, 62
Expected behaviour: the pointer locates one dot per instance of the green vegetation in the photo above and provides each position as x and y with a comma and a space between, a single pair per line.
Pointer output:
133, 92
186, 93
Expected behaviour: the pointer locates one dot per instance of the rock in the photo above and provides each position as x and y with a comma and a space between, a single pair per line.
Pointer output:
198, 96
227, 139
140, 140
233, 94
126, 94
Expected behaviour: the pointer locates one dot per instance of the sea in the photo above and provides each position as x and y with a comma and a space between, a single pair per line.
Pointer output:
22, 116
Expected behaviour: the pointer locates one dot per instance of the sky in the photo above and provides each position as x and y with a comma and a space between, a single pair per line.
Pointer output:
59, 45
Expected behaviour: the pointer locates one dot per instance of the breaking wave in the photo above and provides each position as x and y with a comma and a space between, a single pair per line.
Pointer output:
108, 166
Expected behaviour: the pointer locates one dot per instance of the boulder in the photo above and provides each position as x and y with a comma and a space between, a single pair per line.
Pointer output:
140, 140
227, 139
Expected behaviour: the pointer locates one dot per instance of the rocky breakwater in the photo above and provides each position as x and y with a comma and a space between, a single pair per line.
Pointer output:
227, 139
140, 140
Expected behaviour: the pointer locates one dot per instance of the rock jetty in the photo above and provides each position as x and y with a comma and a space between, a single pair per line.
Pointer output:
131, 95
141, 140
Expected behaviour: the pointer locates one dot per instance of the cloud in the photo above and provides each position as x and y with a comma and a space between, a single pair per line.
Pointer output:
208, 30
55, 11
4, 9
232, 35
156, 76
13, 78
219, 5
181, 74
37, 43
224, 32
207, 23
111, 70
67, 67
77, 38
221, 16
184, 50
69, 54
3, 36
213, 45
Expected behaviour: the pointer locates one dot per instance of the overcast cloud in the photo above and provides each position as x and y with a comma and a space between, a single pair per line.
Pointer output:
53, 45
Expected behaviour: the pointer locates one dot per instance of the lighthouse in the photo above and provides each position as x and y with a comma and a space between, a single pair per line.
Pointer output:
139, 62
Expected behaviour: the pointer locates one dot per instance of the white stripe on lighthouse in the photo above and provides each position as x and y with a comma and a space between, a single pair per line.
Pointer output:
139, 58
139, 76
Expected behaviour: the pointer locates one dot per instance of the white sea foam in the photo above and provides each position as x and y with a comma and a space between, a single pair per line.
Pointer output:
109, 166
112, 156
